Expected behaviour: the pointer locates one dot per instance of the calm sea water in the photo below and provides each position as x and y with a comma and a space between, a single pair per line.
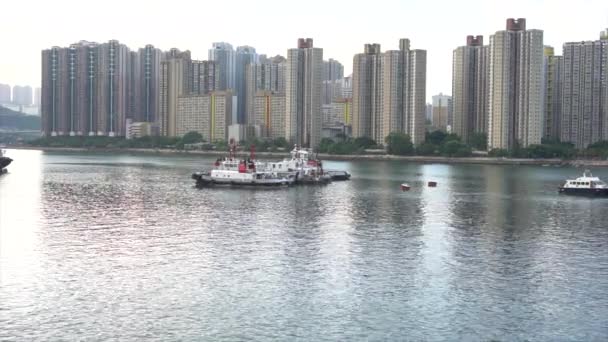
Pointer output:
124, 247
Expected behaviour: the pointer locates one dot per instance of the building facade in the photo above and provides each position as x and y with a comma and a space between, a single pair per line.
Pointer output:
367, 93
553, 94
245, 55
470, 80
585, 92
208, 115
515, 112
303, 94
269, 112
441, 117
22, 95
223, 55
86, 89
174, 72
389, 91
204, 77
5, 93
267, 75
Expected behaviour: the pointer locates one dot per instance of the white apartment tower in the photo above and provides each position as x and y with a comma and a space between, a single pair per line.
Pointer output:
515, 113
303, 94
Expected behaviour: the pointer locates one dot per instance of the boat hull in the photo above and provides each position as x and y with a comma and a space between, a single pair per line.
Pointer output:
4, 162
203, 180
338, 175
584, 192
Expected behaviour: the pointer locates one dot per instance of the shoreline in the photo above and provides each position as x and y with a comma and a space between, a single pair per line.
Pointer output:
324, 156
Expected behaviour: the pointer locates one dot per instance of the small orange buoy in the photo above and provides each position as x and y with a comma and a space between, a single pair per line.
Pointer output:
432, 184
405, 187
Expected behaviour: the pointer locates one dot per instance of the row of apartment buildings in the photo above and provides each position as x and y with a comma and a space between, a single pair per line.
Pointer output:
93, 89
517, 91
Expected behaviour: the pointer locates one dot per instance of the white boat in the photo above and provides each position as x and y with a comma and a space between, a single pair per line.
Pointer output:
302, 167
240, 172
585, 185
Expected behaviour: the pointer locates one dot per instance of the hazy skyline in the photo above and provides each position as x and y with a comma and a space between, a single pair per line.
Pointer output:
341, 28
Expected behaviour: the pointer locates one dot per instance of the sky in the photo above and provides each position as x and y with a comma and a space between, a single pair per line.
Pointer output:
341, 28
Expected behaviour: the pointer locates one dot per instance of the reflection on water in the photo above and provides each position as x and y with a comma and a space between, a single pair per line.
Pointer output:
106, 246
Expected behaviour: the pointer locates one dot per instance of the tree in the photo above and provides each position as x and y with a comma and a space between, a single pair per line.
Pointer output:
192, 137
364, 142
426, 149
281, 142
436, 137
399, 144
479, 141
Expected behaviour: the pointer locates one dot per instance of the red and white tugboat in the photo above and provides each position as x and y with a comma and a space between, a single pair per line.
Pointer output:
585, 185
240, 172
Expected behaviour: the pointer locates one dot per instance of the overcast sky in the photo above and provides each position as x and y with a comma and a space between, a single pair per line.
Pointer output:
272, 26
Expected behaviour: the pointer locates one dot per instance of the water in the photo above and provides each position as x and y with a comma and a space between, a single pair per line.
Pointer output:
123, 247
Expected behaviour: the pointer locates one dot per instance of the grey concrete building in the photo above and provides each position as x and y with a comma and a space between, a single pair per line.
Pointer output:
584, 112
146, 84
553, 94
515, 113
204, 77
22, 95
367, 93
5, 93
223, 55
86, 89
303, 94
332, 70
245, 55
470, 80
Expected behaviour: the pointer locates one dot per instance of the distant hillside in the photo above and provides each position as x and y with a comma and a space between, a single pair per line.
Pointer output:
9, 119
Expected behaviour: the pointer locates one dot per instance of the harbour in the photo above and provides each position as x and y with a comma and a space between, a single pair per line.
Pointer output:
124, 246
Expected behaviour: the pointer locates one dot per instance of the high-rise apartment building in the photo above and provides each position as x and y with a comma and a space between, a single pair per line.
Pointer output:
332, 70
208, 114
515, 113
389, 91
442, 108
245, 55
269, 113
22, 95
470, 77
204, 77
584, 112
86, 89
367, 93
267, 75
37, 93
146, 84
553, 74
174, 72
5, 93
223, 55
303, 94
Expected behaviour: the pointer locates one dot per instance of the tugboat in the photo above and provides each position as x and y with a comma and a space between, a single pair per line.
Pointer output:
4, 162
243, 172
585, 185
301, 167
